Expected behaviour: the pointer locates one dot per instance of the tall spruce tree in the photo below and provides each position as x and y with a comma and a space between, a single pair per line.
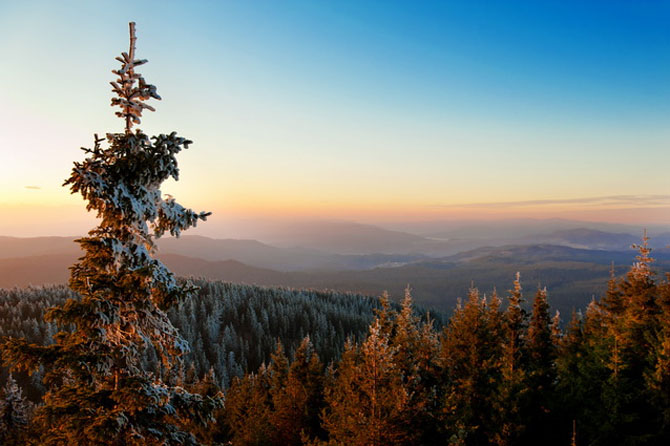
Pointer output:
541, 377
633, 321
513, 368
659, 379
470, 353
98, 390
417, 356
366, 400
298, 399
248, 409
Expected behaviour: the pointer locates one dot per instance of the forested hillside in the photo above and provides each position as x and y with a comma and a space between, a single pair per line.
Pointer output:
230, 328
494, 374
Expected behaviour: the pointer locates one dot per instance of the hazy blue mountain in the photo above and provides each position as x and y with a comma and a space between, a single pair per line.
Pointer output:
573, 263
514, 229
341, 237
255, 253
250, 252
572, 276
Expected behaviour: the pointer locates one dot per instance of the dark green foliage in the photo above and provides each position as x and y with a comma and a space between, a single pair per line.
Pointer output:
541, 375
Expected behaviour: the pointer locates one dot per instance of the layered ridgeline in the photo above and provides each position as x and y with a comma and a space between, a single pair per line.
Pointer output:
573, 275
230, 328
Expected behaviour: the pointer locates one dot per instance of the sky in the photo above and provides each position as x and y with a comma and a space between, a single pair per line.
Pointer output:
366, 111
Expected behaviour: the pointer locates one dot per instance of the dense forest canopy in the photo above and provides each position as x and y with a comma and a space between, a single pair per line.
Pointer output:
230, 328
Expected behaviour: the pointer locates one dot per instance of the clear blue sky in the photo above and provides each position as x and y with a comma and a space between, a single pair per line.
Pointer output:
357, 110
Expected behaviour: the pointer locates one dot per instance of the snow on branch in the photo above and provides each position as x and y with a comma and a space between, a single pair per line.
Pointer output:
130, 87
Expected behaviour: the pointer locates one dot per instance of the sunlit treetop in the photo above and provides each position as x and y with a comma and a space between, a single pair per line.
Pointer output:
131, 88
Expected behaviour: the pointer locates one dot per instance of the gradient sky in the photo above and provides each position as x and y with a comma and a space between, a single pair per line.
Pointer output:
366, 111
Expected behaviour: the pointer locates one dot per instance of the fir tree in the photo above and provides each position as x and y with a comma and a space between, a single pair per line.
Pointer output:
298, 400
215, 432
99, 391
511, 419
417, 354
14, 414
247, 412
366, 401
631, 321
541, 375
281, 400
659, 379
470, 357
515, 333
572, 377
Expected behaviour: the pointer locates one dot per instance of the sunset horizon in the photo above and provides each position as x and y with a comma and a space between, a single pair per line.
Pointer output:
361, 113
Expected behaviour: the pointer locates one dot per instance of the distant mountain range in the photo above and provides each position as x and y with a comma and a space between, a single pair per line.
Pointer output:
573, 264
594, 239
251, 252
336, 244
510, 229
438, 239
262, 255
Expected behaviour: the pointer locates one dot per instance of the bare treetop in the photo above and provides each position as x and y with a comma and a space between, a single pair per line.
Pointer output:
130, 87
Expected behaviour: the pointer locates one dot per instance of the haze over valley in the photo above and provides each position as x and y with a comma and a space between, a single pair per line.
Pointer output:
572, 259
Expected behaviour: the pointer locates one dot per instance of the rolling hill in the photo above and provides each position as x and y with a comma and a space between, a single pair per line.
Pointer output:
573, 276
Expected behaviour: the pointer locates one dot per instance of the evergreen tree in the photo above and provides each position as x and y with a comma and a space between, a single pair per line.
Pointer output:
511, 416
638, 293
247, 412
570, 367
215, 432
366, 401
541, 375
541, 351
99, 391
281, 402
417, 355
13, 415
298, 400
632, 320
470, 356
659, 379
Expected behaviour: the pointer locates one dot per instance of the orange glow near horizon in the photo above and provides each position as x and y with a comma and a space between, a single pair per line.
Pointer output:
371, 133
31, 218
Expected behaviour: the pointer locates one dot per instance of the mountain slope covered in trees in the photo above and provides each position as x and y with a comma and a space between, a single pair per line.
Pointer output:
502, 370
230, 328
495, 375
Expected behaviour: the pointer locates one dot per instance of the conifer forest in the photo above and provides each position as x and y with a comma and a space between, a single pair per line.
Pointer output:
129, 354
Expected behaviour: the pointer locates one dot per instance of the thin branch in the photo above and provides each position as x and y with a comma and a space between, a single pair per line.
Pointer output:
131, 72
